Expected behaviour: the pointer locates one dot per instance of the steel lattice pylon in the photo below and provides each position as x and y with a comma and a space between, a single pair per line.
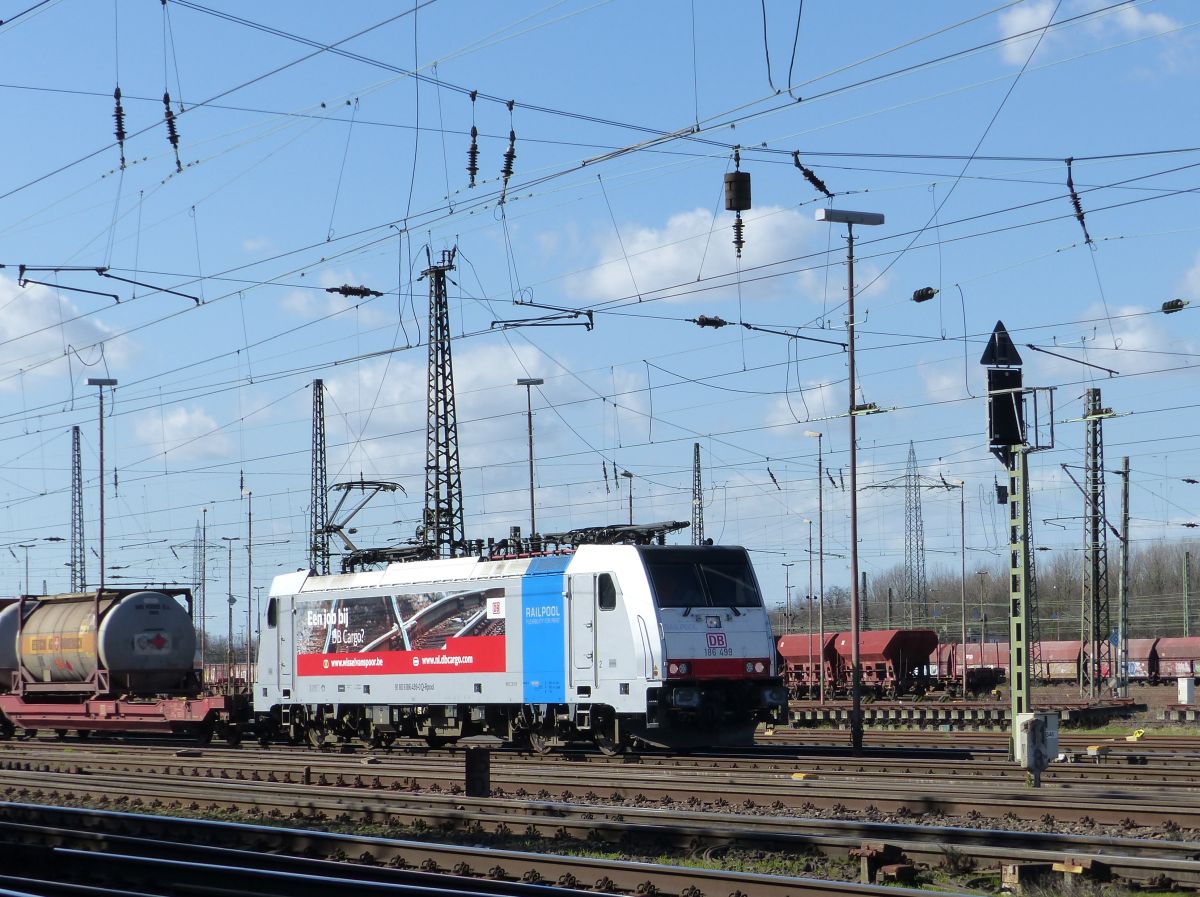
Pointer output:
318, 530
443, 522
1095, 620
915, 593
78, 551
697, 498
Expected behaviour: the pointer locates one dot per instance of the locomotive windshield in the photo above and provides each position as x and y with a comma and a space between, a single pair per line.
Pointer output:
701, 577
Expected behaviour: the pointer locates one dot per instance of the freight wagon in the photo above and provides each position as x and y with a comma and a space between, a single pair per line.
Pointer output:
1178, 657
801, 659
117, 660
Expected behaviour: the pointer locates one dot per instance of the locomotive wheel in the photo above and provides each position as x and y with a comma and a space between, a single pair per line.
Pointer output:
233, 736
539, 741
60, 734
314, 737
607, 741
204, 734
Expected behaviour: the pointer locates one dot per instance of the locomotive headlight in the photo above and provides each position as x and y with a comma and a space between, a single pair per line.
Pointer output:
673, 669
749, 667
774, 696
759, 667
683, 669
686, 698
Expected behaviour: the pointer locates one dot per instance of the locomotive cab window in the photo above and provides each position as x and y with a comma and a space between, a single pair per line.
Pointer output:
272, 613
606, 592
707, 577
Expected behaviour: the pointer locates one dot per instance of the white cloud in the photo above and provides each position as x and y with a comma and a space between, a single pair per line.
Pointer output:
1125, 23
376, 414
184, 434
1031, 15
688, 247
38, 325
1128, 21
1191, 282
256, 244
941, 381
1140, 338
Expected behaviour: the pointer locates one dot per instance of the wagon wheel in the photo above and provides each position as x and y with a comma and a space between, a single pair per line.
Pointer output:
204, 734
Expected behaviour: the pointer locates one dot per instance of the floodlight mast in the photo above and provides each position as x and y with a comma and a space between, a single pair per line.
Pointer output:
844, 216
849, 218
101, 382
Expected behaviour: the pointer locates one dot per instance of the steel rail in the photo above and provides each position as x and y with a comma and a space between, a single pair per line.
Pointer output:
1136, 859
195, 847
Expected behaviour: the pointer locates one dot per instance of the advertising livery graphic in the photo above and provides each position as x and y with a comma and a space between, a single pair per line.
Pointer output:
416, 635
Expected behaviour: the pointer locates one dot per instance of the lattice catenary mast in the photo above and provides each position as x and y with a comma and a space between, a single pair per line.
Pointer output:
915, 592
78, 552
318, 551
1095, 618
697, 498
443, 526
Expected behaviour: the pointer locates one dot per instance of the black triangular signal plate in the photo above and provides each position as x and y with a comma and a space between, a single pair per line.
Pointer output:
1000, 351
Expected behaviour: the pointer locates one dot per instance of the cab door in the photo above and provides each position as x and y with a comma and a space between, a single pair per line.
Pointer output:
583, 629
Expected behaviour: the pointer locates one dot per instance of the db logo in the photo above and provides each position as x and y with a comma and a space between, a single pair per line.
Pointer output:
416, 662
716, 639
496, 609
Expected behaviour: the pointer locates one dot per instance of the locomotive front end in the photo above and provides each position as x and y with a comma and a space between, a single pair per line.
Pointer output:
719, 679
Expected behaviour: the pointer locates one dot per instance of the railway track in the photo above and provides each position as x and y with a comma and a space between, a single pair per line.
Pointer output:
1139, 860
427, 767
62, 848
578, 802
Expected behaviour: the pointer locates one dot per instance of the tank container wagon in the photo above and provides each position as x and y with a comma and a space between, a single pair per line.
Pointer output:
114, 660
620, 645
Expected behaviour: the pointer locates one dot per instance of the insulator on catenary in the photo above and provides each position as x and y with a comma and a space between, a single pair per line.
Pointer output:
737, 198
510, 155
473, 152
359, 292
473, 156
1087, 238
172, 130
810, 175
119, 119
713, 321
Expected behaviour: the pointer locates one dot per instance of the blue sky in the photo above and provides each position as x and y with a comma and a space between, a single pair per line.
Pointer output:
303, 173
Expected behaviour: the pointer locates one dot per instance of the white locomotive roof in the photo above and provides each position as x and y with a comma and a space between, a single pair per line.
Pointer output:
413, 572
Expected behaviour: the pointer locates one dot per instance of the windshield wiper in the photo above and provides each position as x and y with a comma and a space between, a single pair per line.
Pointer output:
736, 612
687, 610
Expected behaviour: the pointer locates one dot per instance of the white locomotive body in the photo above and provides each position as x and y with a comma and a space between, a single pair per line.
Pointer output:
612, 643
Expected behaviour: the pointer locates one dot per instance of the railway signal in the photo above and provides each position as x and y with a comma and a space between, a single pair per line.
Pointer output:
1011, 440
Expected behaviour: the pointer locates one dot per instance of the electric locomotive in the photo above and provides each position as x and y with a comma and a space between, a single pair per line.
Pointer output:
618, 645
